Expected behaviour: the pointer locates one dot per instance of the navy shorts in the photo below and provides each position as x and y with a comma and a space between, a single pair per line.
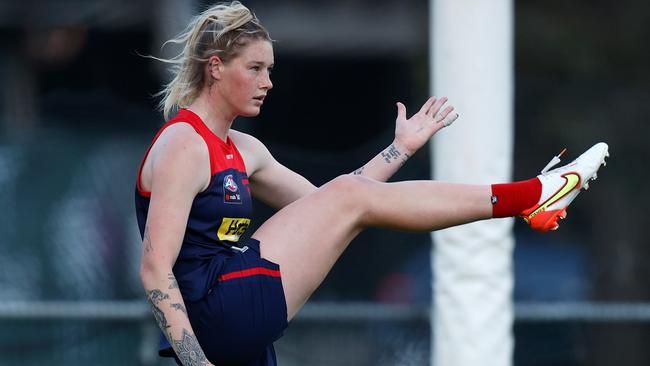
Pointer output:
242, 315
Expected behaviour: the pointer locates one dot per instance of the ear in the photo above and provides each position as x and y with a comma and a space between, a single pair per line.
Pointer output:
215, 67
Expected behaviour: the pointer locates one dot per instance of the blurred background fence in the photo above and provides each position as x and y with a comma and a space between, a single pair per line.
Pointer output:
77, 113
334, 333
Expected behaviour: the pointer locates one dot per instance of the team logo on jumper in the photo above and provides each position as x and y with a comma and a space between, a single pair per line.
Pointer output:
230, 190
232, 228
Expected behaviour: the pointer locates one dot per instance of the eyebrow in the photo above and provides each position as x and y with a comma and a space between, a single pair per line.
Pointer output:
260, 63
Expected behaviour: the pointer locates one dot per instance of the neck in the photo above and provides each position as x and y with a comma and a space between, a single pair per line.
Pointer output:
215, 116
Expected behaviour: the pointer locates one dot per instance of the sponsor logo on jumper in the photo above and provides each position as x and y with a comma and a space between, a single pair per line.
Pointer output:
229, 156
230, 190
232, 228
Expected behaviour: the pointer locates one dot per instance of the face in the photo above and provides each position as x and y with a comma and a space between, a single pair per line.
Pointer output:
243, 83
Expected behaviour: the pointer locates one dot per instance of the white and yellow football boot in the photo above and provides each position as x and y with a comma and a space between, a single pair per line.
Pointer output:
560, 187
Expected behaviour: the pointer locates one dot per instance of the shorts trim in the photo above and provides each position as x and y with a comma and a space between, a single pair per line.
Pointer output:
249, 272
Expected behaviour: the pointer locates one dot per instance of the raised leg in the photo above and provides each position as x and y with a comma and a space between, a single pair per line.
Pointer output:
308, 236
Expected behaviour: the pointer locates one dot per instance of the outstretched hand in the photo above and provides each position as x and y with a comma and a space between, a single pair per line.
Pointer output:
412, 133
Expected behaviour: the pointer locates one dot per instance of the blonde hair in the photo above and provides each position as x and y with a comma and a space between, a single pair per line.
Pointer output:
221, 30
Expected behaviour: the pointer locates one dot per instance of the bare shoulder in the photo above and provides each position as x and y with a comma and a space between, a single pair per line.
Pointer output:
179, 153
244, 140
254, 152
180, 138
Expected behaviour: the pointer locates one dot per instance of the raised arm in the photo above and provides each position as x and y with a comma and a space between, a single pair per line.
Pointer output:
179, 169
410, 135
270, 181
278, 186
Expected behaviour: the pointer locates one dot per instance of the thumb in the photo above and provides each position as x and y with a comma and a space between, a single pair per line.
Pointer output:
401, 111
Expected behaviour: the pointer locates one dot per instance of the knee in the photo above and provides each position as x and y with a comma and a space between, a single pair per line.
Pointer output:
350, 196
350, 188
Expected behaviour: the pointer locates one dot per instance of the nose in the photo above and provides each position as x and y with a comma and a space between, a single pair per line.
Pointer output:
266, 81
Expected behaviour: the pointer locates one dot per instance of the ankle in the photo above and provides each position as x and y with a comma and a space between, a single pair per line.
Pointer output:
511, 199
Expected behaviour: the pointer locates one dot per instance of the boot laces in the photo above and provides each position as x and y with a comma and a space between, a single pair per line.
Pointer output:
555, 161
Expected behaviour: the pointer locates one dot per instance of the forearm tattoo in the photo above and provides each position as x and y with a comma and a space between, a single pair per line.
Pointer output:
392, 154
179, 306
359, 171
154, 297
189, 351
187, 347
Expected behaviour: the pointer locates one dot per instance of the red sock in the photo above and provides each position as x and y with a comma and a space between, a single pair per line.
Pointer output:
512, 198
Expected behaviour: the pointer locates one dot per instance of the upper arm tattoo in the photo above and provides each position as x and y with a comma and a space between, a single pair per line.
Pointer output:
359, 171
172, 281
146, 241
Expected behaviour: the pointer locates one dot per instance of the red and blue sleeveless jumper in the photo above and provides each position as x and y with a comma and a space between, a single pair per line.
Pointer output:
233, 297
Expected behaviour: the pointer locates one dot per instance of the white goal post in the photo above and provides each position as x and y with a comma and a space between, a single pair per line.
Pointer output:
471, 60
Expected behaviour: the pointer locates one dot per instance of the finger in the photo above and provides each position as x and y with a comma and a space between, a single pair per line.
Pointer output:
401, 111
427, 105
450, 119
442, 115
436, 107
